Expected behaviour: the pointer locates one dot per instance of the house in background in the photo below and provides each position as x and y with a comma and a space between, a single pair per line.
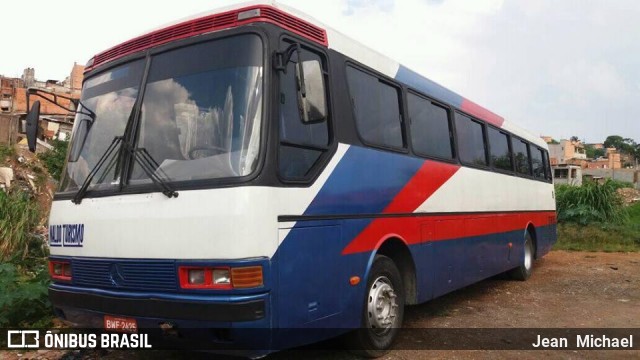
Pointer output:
567, 152
567, 174
611, 161
13, 102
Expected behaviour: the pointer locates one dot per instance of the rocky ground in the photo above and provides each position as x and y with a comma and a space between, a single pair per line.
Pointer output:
629, 195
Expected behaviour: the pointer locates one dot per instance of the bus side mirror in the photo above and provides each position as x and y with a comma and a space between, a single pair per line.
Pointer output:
32, 125
311, 100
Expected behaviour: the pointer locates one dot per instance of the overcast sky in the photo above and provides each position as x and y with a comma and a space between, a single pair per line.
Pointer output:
555, 67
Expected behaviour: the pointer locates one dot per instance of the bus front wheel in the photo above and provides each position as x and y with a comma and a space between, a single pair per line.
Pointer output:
383, 310
523, 272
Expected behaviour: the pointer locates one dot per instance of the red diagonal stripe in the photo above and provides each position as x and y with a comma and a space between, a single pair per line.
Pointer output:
422, 185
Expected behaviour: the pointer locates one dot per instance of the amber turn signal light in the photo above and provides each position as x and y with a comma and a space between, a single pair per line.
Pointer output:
246, 277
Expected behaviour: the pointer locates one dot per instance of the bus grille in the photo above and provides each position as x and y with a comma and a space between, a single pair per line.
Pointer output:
141, 275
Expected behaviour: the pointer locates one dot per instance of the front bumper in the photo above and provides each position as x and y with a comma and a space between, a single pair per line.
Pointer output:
165, 306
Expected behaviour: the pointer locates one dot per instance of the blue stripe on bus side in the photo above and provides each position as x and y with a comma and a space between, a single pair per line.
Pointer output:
431, 88
356, 187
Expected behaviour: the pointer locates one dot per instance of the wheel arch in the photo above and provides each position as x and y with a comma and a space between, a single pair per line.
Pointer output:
396, 248
531, 229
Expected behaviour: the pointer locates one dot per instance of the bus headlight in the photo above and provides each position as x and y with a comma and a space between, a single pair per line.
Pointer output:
221, 276
60, 270
196, 276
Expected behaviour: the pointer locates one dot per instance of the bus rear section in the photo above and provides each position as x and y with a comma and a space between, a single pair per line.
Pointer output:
242, 180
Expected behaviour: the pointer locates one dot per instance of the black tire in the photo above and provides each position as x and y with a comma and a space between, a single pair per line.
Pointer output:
371, 341
523, 272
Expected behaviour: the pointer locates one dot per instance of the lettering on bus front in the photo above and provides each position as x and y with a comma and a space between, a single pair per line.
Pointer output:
66, 235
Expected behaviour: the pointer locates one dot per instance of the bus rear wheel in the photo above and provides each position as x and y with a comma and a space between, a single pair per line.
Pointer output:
523, 272
383, 310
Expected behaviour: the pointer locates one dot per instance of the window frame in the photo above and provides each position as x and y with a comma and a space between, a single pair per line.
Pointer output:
484, 140
544, 165
401, 106
125, 187
450, 120
513, 164
326, 151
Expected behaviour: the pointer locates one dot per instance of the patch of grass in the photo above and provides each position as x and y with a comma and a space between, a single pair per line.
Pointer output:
589, 203
19, 216
634, 213
602, 236
618, 184
54, 159
5, 152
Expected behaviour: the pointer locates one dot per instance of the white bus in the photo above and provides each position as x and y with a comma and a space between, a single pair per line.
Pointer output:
253, 169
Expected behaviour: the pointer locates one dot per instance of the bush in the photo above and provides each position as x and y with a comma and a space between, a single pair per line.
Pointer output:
54, 159
24, 299
19, 216
618, 184
591, 202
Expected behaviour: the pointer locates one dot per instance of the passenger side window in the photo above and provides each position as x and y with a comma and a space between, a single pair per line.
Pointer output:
470, 136
430, 128
521, 152
301, 144
500, 152
376, 107
537, 163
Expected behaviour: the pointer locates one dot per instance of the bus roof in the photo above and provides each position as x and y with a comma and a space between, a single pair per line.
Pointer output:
314, 30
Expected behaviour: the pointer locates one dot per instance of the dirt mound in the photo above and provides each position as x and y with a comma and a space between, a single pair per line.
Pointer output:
629, 196
30, 175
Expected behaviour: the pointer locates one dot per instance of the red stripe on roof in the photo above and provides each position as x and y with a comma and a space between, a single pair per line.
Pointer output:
482, 113
225, 20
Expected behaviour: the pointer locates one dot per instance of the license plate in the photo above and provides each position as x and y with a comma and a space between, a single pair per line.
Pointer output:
120, 324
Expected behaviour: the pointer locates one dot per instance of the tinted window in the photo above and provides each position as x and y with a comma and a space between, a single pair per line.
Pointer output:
537, 163
470, 140
500, 154
430, 128
295, 162
520, 150
377, 109
301, 144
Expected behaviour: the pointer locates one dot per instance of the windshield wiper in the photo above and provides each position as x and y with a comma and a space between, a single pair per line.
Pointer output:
144, 159
149, 166
77, 198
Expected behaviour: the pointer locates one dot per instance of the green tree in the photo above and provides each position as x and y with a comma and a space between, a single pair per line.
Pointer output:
614, 141
593, 153
624, 145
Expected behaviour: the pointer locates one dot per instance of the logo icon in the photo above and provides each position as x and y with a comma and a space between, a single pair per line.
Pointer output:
115, 276
21, 339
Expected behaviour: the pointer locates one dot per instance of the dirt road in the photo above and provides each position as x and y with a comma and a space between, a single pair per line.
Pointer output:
567, 290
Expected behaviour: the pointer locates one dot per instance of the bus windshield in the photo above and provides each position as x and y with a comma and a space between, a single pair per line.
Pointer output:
199, 118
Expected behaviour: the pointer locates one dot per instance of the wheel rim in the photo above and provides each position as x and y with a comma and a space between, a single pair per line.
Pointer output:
528, 254
381, 305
